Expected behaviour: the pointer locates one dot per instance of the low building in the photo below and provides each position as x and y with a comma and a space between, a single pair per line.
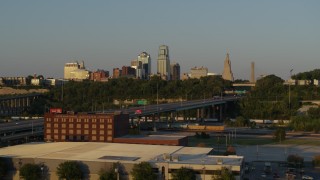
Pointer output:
54, 82
95, 157
85, 127
198, 72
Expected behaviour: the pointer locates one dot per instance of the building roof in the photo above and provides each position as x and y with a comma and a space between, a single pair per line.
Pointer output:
94, 151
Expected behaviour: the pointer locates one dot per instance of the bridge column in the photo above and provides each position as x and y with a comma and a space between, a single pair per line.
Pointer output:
221, 108
198, 114
172, 116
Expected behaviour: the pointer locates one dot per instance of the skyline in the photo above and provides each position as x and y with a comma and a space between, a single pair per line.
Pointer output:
41, 36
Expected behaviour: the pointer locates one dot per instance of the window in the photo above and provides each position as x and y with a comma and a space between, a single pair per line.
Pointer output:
101, 126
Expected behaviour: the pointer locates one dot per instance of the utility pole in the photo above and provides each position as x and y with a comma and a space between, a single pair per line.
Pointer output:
290, 92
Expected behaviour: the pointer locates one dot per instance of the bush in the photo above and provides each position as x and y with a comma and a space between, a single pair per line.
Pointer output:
230, 151
30, 172
295, 160
3, 168
316, 161
279, 134
69, 170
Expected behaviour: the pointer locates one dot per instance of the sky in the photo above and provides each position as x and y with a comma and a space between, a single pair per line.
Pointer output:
40, 36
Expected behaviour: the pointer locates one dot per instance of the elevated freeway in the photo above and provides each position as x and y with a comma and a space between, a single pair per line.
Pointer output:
21, 130
178, 106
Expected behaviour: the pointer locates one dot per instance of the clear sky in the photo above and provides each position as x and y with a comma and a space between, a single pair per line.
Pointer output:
40, 36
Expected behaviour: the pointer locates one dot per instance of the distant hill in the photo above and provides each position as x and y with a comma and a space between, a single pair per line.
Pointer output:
11, 91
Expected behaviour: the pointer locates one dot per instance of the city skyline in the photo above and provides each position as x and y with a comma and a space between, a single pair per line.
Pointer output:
41, 36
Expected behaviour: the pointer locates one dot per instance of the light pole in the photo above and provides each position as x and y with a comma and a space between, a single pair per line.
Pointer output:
290, 92
116, 170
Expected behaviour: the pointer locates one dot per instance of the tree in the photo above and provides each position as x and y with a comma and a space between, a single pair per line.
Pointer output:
30, 172
184, 174
143, 171
279, 134
3, 168
224, 174
316, 161
109, 174
69, 170
295, 160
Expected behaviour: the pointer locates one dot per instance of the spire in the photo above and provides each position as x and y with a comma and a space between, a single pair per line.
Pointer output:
227, 72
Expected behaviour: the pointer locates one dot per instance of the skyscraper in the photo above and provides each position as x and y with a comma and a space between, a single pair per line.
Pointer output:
145, 67
163, 62
175, 71
227, 72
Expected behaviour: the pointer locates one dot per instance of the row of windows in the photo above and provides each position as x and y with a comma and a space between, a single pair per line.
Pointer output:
63, 125
79, 120
78, 138
71, 131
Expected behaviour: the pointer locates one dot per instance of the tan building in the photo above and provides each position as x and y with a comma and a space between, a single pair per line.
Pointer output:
76, 71
198, 72
227, 72
116, 73
97, 156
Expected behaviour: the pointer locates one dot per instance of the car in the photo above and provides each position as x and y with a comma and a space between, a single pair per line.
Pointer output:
264, 175
305, 177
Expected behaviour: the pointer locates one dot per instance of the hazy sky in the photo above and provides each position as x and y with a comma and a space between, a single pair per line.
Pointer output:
40, 36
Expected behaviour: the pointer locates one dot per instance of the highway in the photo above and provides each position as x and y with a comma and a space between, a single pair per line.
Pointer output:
21, 130
176, 106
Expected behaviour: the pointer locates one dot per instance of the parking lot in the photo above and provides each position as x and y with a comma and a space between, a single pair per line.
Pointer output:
257, 170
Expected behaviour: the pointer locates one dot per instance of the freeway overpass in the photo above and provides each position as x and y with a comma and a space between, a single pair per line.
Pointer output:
21, 130
156, 109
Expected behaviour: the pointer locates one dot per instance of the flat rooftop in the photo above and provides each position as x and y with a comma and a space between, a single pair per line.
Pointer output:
113, 152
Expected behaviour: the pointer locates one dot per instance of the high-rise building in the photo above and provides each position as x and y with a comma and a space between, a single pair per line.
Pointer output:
128, 71
99, 75
144, 60
198, 72
116, 73
227, 72
175, 71
163, 62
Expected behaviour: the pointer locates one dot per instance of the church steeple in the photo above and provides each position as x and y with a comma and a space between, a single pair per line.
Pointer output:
227, 72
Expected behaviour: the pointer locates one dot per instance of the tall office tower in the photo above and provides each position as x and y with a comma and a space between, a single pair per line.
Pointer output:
175, 71
164, 62
227, 72
145, 60
252, 79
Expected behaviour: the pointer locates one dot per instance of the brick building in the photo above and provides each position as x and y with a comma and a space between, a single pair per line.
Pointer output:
85, 127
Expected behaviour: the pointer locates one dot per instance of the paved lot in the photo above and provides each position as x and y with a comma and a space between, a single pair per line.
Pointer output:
258, 155
277, 152
257, 171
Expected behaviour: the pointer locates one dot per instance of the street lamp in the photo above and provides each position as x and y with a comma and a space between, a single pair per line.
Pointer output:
290, 92
116, 170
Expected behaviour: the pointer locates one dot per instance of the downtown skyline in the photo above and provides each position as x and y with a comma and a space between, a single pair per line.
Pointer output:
41, 36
